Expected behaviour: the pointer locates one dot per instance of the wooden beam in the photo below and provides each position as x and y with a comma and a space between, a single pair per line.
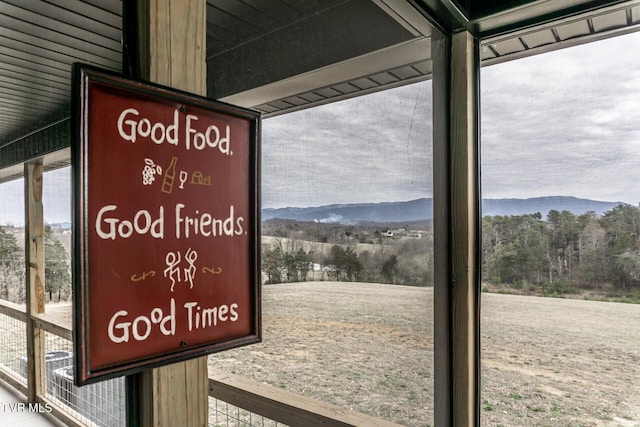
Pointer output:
34, 256
171, 43
13, 310
457, 218
465, 229
170, 50
284, 406
43, 142
441, 54
176, 395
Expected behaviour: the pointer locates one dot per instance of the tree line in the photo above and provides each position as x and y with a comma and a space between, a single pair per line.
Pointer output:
403, 266
564, 253
355, 254
12, 268
558, 254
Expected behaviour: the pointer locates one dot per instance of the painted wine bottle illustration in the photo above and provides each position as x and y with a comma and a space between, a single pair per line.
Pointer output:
169, 176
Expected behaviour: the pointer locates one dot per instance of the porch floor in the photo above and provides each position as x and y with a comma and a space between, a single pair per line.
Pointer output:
12, 414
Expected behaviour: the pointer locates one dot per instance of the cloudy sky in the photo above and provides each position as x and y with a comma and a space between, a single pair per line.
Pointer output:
562, 123
368, 149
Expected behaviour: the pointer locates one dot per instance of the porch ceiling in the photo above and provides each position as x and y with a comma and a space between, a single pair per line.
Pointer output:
277, 56
39, 41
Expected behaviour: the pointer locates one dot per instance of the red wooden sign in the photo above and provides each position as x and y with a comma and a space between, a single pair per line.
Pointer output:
166, 222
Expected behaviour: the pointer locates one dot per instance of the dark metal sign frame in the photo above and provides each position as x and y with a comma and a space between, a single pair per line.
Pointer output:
166, 222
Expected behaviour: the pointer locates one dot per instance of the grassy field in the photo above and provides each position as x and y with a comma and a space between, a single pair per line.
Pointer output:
369, 347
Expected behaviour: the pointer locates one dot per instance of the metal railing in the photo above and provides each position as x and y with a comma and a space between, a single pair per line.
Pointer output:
100, 405
233, 400
13, 339
224, 414
280, 406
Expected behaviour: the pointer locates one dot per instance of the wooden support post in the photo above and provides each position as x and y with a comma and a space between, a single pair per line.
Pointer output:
465, 230
457, 217
34, 256
441, 53
170, 38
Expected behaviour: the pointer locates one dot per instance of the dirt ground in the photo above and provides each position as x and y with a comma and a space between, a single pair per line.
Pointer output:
363, 347
559, 362
369, 347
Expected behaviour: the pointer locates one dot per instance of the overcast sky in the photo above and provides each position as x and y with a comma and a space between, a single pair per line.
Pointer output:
564, 123
372, 148
561, 123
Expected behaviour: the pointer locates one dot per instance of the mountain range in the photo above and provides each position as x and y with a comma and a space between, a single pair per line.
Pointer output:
422, 210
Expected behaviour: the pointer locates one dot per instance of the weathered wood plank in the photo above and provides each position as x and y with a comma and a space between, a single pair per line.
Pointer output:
441, 54
175, 395
284, 406
13, 310
171, 40
34, 244
171, 51
465, 226
457, 228
46, 324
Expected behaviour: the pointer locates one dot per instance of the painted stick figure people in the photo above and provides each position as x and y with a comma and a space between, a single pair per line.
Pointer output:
173, 270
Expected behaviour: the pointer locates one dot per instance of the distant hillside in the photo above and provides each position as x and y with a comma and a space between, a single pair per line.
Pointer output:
422, 209
492, 207
414, 210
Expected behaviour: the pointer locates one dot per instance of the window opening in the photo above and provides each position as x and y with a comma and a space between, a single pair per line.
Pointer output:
12, 264
561, 243
347, 256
